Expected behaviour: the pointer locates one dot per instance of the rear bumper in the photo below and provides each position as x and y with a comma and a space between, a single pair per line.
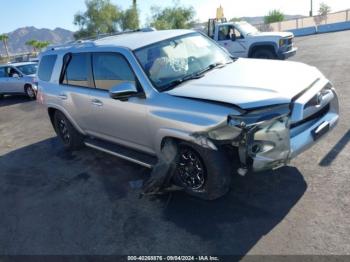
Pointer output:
286, 54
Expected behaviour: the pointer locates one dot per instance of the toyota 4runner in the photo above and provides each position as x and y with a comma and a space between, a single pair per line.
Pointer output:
129, 94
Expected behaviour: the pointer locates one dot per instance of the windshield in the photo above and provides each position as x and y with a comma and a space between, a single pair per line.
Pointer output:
247, 28
28, 69
178, 58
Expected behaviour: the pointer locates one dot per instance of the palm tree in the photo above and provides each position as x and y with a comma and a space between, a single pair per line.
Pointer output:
41, 45
37, 45
4, 38
33, 44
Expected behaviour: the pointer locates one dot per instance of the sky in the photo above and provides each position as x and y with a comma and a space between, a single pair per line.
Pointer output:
59, 13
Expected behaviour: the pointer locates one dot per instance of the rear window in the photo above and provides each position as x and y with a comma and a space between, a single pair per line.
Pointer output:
47, 64
77, 71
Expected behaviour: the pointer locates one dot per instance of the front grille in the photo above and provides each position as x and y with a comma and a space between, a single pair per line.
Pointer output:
315, 116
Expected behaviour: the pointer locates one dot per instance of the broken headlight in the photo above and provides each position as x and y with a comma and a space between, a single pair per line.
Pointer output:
266, 136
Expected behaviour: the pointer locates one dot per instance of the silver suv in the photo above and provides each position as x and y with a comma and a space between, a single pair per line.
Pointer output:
18, 78
130, 94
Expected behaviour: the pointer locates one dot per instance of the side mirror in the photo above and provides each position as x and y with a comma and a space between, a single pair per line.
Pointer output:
16, 75
233, 37
123, 90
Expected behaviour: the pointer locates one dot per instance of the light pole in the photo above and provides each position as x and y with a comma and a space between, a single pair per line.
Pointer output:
311, 8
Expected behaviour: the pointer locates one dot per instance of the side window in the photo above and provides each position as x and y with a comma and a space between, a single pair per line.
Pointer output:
11, 71
237, 33
46, 66
224, 32
2, 72
110, 69
78, 70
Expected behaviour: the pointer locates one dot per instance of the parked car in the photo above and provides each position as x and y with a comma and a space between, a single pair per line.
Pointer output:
18, 78
128, 95
242, 39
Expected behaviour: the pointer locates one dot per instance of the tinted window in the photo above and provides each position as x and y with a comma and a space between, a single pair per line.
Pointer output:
29, 69
11, 71
111, 69
77, 72
2, 72
46, 67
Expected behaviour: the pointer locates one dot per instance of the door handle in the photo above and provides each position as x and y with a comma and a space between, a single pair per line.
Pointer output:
96, 102
62, 96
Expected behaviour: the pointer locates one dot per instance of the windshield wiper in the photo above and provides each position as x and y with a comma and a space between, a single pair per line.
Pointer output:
176, 82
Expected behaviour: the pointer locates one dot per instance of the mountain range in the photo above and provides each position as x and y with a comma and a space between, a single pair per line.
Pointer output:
20, 36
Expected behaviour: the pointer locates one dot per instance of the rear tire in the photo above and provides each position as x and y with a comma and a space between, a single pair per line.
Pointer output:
204, 173
264, 53
30, 92
70, 137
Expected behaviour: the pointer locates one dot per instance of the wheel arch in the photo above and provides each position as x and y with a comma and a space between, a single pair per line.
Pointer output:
180, 136
51, 109
263, 45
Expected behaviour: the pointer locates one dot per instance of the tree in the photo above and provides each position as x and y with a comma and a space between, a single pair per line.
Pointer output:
235, 19
32, 43
4, 38
324, 10
37, 45
41, 45
274, 16
130, 18
101, 16
175, 17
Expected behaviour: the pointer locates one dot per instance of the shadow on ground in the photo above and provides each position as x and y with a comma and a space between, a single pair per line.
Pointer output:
13, 100
57, 202
335, 150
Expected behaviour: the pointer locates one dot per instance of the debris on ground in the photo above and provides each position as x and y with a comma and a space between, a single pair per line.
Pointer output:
159, 181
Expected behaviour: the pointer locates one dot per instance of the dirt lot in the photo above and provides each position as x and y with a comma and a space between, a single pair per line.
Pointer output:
53, 202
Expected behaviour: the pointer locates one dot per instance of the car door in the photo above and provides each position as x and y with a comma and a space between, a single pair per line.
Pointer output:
124, 121
75, 85
7, 82
3, 80
15, 80
236, 46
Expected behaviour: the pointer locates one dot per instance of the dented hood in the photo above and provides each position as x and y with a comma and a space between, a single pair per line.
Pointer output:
251, 83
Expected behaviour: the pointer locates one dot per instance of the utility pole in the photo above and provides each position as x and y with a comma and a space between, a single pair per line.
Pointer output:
311, 8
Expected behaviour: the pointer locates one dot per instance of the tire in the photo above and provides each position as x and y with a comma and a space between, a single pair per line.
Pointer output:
30, 92
213, 178
264, 53
70, 137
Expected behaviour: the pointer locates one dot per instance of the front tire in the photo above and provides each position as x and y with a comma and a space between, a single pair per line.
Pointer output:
202, 172
30, 92
70, 137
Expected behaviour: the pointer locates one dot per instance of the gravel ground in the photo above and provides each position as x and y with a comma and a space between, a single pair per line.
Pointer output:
54, 202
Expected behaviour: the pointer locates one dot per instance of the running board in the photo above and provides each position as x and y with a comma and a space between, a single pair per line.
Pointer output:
123, 152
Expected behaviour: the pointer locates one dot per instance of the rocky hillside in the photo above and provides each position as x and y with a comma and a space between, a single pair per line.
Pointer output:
19, 37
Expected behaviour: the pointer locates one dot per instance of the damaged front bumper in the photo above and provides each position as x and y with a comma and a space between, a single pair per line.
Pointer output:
270, 138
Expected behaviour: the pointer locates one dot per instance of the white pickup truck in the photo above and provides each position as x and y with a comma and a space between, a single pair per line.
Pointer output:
242, 39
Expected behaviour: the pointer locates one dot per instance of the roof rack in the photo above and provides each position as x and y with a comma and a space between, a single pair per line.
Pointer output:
146, 29
71, 44
90, 40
